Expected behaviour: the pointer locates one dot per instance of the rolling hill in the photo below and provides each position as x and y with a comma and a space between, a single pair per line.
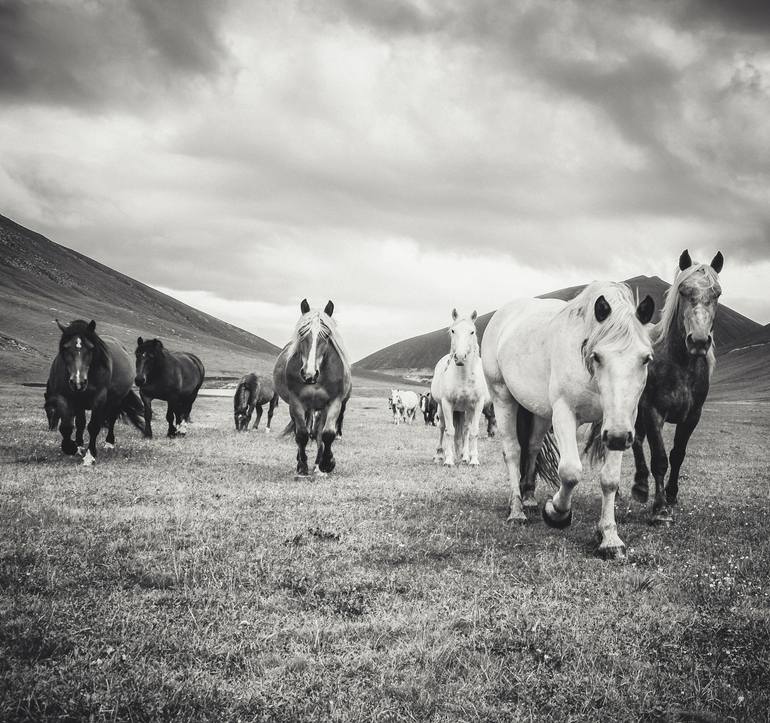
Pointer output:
738, 372
41, 280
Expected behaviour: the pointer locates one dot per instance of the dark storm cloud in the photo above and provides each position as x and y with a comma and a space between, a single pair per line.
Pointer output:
89, 54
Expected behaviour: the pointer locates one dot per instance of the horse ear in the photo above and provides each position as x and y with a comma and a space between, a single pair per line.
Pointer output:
60, 325
645, 309
91, 325
474, 315
139, 341
602, 309
717, 262
304, 307
454, 314
685, 261
329, 308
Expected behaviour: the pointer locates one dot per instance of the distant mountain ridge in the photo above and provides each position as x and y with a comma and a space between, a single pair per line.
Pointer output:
41, 280
418, 355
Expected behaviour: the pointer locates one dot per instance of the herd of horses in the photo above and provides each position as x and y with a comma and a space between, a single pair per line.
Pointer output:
543, 368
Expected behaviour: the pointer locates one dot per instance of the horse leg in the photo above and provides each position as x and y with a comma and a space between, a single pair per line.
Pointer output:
653, 422
681, 437
327, 433
65, 428
258, 408
447, 414
507, 409
557, 511
147, 415
80, 425
98, 414
538, 429
170, 419
462, 441
301, 436
340, 418
473, 434
270, 410
109, 442
611, 546
640, 489
439, 456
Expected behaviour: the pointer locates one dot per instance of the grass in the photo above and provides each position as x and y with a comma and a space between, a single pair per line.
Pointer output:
195, 579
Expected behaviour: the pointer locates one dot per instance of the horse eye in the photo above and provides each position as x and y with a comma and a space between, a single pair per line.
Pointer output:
597, 359
472, 333
453, 331
647, 359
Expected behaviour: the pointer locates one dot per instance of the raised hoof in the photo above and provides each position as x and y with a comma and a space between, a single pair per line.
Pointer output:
553, 518
613, 553
109, 445
640, 494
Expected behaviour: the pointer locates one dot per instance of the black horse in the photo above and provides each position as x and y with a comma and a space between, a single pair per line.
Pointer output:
489, 415
173, 376
91, 372
252, 393
428, 407
677, 379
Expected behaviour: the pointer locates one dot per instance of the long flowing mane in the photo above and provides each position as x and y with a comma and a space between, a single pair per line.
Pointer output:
698, 275
619, 330
81, 328
328, 330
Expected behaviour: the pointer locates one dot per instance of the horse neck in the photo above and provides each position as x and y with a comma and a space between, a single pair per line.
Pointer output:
673, 348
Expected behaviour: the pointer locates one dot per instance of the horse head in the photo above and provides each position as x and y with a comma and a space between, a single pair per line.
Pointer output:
617, 350
463, 339
313, 340
77, 346
699, 290
148, 353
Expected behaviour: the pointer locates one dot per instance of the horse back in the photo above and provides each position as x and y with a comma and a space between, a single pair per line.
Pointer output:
265, 390
122, 367
190, 371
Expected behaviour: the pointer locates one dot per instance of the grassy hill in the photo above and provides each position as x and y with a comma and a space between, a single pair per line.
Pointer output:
41, 280
746, 371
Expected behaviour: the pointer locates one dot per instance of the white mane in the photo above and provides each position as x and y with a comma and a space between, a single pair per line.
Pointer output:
328, 331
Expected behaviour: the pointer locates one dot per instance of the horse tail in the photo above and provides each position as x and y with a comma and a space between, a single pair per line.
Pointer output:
547, 462
290, 429
132, 408
594, 446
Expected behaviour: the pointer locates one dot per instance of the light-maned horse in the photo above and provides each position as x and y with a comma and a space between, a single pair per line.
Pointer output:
404, 405
252, 393
564, 364
91, 372
678, 378
459, 388
172, 376
312, 375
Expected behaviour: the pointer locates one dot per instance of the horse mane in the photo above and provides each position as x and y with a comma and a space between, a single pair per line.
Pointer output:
328, 329
81, 328
619, 330
708, 278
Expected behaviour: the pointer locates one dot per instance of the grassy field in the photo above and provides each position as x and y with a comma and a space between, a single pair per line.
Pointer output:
195, 579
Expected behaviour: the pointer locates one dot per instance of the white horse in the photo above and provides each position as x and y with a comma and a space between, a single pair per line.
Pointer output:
459, 388
404, 405
563, 364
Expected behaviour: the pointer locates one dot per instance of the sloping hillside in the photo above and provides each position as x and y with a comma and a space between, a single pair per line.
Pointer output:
41, 280
417, 356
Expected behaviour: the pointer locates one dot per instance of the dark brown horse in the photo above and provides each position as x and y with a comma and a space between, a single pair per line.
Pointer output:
91, 372
312, 375
677, 380
489, 415
173, 376
428, 407
252, 393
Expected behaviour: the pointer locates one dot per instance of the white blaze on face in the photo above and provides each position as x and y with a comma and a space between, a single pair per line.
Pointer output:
311, 363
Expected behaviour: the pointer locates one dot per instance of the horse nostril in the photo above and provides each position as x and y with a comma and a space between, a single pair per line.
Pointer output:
605, 436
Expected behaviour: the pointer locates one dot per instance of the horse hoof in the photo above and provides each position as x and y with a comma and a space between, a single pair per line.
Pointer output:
298, 477
89, 459
554, 518
671, 500
613, 553
267, 431
109, 445
473, 463
81, 451
517, 518
662, 518
530, 503
448, 463
318, 472
640, 494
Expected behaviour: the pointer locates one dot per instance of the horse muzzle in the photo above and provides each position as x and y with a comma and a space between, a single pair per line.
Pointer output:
78, 385
140, 380
617, 442
309, 378
697, 347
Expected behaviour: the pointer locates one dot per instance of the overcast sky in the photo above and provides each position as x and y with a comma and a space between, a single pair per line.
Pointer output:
398, 157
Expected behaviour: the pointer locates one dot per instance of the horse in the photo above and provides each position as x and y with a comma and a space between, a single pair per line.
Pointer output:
428, 407
549, 362
312, 375
404, 405
678, 379
52, 406
91, 372
173, 376
489, 414
459, 388
252, 393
